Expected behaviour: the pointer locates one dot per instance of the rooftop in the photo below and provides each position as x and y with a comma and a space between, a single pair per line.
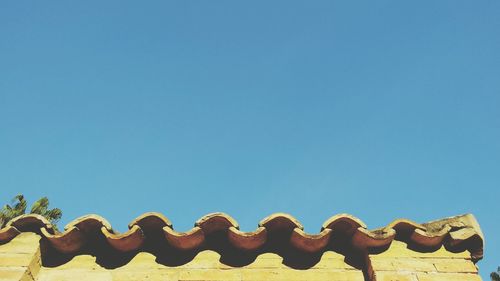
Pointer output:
455, 242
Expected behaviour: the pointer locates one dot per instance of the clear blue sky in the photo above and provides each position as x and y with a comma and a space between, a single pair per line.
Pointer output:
381, 109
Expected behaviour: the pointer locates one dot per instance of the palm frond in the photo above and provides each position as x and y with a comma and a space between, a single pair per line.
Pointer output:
495, 276
40, 207
9, 212
54, 214
19, 204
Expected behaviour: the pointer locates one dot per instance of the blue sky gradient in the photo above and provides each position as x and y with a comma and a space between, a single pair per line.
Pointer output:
381, 109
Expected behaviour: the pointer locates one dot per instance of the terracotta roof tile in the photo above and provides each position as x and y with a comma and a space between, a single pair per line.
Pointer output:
460, 232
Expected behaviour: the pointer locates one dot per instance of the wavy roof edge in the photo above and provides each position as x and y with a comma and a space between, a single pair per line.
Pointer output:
461, 231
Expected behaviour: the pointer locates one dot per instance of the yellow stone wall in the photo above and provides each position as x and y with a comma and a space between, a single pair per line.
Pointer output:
205, 266
402, 264
20, 260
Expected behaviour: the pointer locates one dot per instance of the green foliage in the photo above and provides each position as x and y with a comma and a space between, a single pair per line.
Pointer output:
495, 276
18, 207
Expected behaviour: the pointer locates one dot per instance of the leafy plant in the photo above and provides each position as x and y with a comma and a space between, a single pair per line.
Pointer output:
18, 207
495, 276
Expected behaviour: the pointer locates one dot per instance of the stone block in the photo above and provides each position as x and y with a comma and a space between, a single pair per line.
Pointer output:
395, 276
24, 243
448, 277
455, 266
12, 273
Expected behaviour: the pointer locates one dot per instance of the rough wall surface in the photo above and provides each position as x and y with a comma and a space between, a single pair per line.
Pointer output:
205, 266
20, 259
401, 263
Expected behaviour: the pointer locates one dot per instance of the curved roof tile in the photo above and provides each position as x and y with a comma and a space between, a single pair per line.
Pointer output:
462, 231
